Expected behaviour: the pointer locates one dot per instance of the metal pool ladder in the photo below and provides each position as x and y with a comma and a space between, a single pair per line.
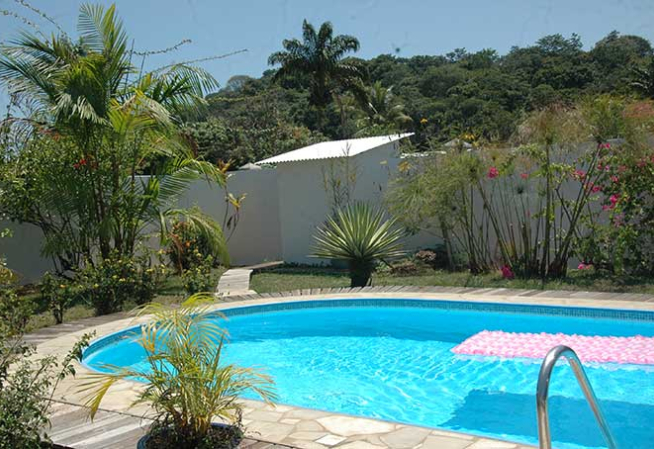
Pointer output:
544, 435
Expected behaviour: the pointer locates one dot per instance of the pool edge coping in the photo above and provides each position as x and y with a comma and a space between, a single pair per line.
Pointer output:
117, 399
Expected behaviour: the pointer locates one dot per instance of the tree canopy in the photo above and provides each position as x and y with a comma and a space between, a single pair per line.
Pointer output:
439, 97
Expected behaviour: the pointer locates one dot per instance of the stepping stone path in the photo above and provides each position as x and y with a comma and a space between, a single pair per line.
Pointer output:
235, 282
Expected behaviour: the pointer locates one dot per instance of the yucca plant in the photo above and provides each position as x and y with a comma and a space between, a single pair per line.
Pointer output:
187, 385
361, 236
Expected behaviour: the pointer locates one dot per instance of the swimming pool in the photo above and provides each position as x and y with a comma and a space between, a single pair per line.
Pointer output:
391, 359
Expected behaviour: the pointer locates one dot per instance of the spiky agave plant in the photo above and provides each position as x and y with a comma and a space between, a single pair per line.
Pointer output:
360, 235
187, 385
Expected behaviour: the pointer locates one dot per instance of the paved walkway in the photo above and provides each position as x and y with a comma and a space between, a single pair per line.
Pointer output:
288, 426
236, 281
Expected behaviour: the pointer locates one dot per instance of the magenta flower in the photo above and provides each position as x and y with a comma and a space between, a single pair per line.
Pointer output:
584, 266
493, 172
507, 273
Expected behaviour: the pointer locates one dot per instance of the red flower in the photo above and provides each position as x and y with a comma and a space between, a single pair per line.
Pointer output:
507, 273
493, 172
596, 189
524, 175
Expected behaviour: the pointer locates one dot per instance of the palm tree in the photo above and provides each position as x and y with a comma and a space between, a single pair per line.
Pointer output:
319, 57
360, 235
643, 80
382, 112
188, 384
109, 120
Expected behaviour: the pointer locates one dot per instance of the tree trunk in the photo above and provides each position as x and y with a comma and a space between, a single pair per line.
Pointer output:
360, 273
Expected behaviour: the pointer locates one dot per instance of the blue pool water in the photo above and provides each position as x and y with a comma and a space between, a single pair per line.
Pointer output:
391, 359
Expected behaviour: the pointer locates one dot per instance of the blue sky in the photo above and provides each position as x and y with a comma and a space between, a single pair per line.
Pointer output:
382, 26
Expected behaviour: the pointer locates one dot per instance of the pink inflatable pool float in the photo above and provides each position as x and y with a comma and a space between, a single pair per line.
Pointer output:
635, 350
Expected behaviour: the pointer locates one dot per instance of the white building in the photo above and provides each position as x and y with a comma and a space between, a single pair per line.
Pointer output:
306, 178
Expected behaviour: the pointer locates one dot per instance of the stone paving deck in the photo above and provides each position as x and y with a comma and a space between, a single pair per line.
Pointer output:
285, 425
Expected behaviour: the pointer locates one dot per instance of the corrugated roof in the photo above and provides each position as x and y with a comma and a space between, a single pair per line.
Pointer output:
334, 148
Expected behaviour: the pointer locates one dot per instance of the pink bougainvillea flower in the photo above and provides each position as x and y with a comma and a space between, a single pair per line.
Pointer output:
507, 273
524, 175
493, 172
596, 189
614, 199
584, 266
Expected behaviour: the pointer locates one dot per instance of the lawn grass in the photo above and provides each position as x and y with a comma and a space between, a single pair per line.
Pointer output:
293, 278
171, 292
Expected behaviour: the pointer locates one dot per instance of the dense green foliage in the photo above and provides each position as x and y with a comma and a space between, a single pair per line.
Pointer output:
26, 381
529, 210
482, 93
95, 124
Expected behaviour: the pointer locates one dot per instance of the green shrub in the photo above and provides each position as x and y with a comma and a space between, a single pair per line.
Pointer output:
15, 312
198, 278
184, 242
116, 280
26, 383
59, 294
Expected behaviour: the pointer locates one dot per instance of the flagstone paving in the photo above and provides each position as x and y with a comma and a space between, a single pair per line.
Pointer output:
268, 427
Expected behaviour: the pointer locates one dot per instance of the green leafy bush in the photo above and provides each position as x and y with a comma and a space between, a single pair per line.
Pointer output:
26, 384
15, 312
184, 242
198, 278
109, 284
59, 294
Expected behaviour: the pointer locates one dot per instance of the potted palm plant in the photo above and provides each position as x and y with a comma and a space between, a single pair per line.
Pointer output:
187, 385
361, 236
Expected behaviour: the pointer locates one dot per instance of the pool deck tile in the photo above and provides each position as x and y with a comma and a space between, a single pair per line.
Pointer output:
267, 427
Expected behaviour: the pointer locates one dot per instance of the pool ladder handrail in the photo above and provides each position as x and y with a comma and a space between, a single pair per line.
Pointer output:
544, 435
